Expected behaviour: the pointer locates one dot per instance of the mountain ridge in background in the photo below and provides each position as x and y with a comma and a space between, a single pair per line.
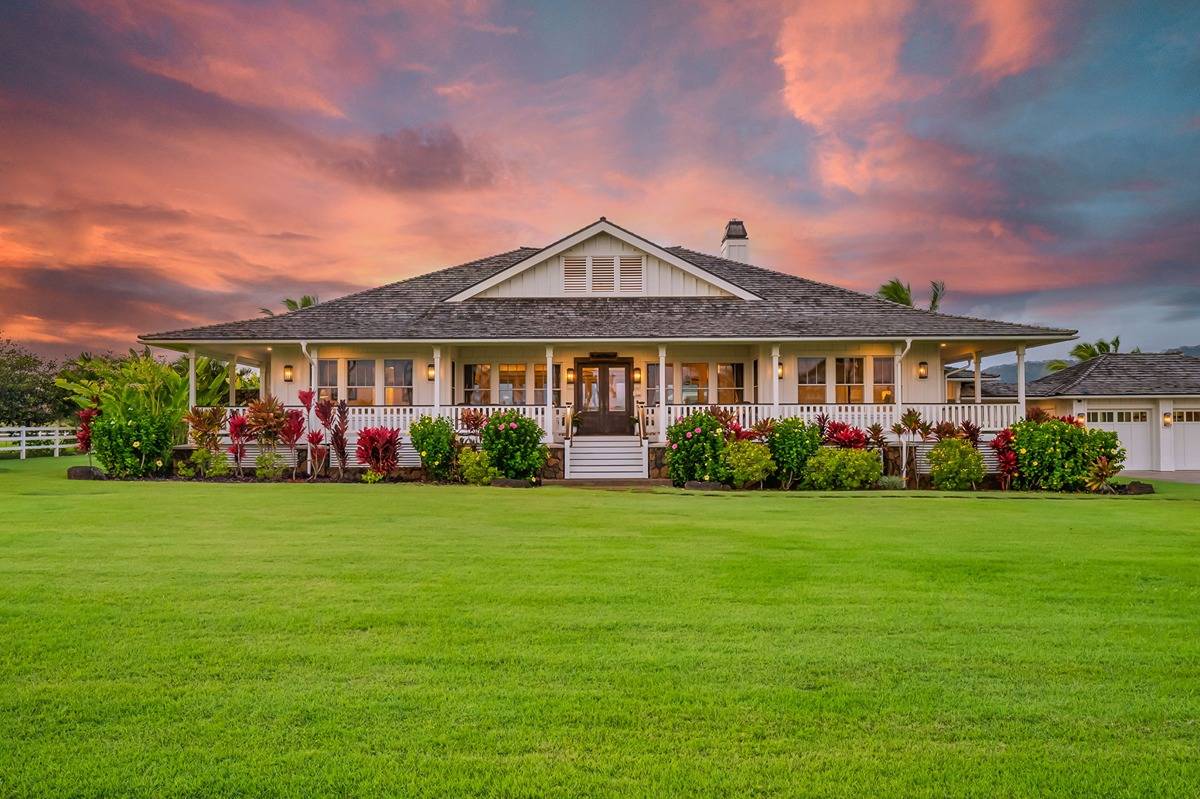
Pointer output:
1036, 369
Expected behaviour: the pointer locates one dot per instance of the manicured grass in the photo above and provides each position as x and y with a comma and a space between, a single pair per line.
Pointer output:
184, 639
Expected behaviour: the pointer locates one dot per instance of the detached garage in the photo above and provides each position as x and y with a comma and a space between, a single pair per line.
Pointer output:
1150, 400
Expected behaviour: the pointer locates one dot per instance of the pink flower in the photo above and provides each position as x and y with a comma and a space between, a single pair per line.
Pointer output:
698, 430
689, 435
674, 446
512, 425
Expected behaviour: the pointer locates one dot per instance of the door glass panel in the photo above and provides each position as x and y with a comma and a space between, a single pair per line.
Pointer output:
589, 387
616, 388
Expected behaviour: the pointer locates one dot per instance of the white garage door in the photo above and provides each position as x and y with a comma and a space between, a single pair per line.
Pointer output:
1187, 438
1133, 428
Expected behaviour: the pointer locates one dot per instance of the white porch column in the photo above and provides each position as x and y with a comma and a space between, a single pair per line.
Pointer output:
437, 381
549, 393
232, 367
978, 377
898, 377
775, 380
1020, 381
662, 393
191, 378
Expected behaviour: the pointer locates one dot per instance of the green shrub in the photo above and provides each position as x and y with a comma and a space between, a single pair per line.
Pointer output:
696, 448
434, 440
371, 477
843, 469
513, 444
891, 482
203, 463
1057, 455
139, 446
955, 465
269, 466
792, 442
749, 462
476, 467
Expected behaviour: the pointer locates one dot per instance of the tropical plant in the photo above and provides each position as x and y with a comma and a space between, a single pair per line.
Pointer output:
317, 452
891, 482
514, 445
239, 436
1058, 454
845, 436
139, 446
695, 448
842, 469
83, 433
291, 433
748, 462
205, 426
901, 293
1086, 351
268, 465
339, 441
1006, 457
471, 422
945, 430
876, 436
1101, 475
971, 432
907, 429
265, 419
792, 443
203, 463
434, 439
955, 465
289, 304
476, 467
378, 449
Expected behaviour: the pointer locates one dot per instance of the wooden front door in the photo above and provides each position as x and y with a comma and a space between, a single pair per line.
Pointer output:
604, 396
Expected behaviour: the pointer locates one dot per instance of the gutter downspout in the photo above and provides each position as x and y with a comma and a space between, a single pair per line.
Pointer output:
908, 342
312, 372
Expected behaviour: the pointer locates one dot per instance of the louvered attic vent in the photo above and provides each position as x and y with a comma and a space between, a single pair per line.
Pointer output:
603, 274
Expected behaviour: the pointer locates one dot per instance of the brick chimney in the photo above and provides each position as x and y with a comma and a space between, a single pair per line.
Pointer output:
735, 244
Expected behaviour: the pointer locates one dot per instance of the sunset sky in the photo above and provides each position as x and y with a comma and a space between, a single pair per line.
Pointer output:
164, 164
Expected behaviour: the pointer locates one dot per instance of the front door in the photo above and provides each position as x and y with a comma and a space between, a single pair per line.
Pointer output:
604, 396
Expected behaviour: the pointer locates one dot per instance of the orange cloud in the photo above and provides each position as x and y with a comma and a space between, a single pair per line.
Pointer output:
1017, 36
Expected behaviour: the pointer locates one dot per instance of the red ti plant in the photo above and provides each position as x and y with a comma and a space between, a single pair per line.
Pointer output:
338, 441
291, 433
316, 451
306, 399
205, 427
324, 413
379, 449
471, 422
876, 436
265, 419
845, 436
970, 431
944, 430
83, 436
822, 422
239, 435
1006, 457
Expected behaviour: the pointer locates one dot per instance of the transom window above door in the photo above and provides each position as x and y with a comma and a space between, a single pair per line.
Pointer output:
603, 274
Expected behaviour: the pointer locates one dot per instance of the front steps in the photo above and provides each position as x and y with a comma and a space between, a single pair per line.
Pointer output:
606, 458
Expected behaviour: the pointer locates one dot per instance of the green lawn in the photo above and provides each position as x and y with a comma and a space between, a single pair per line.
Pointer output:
185, 639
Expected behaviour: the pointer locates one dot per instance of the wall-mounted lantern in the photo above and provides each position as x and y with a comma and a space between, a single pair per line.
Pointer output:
779, 371
1168, 419
287, 373
430, 372
923, 370
570, 375
1081, 418
637, 375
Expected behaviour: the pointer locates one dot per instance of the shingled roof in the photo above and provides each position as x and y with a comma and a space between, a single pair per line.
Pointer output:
791, 307
1123, 374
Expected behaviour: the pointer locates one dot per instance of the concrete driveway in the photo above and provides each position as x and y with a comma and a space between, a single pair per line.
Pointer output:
1181, 476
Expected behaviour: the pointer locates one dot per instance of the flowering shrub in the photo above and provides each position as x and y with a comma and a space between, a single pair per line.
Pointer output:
379, 449
792, 442
955, 465
434, 439
476, 467
843, 469
1056, 454
514, 445
844, 436
749, 462
137, 447
695, 449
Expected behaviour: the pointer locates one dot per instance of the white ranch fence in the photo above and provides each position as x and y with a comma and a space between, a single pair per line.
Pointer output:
24, 440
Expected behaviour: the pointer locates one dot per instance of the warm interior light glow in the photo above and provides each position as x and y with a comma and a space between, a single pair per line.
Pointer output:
637, 375
570, 375
430, 373
779, 371
923, 370
287, 373
1168, 419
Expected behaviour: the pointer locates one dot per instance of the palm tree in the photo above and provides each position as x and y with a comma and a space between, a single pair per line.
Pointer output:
307, 301
901, 293
1086, 350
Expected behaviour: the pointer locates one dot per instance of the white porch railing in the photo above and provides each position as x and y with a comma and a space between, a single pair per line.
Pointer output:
24, 440
990, 417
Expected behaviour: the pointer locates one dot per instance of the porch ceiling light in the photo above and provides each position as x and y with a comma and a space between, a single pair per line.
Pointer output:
288, 373
430, 373
1168, 419
923, 370
637, 375
570, 375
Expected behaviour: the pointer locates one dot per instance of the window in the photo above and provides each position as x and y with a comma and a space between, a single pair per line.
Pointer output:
695, 383
1100, 416
884, 372
731, 383
397, 382
754, 378
810, 378
849, 374
1132, 416
360, 382
477, 383
1187, 416
652, 383
327, 381
539, 384
512, 384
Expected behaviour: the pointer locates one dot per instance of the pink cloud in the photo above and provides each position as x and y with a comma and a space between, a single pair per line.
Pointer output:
1017, 36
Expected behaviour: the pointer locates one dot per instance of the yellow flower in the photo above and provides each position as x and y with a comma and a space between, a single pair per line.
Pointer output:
422, 453
158, 462
137, 444
1022, 450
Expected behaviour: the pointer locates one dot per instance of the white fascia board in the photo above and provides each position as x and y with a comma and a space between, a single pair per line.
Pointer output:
602, 226
174, 343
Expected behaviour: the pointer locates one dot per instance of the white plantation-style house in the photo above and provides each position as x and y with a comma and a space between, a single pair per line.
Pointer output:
603, 335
